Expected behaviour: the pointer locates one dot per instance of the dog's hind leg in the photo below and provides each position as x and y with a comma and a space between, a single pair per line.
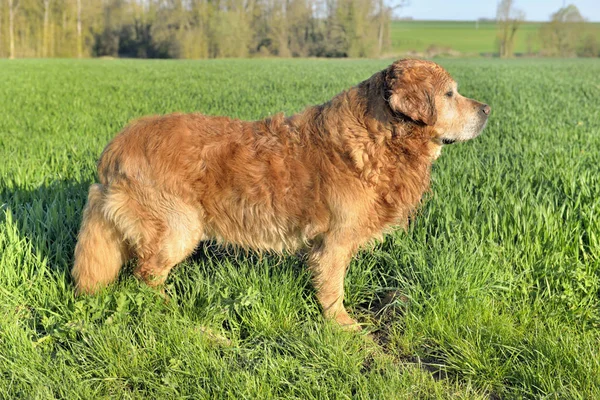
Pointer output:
180, 231
101, 250
159, 228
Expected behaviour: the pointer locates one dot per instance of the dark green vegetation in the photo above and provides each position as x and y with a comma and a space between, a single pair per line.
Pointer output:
498, 277
466, 37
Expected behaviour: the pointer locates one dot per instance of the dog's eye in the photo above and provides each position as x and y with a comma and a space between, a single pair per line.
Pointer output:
449, 94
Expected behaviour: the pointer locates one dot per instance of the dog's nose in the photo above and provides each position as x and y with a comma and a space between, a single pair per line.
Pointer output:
486, 109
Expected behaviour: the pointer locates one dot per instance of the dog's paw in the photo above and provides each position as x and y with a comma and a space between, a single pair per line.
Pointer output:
346, 322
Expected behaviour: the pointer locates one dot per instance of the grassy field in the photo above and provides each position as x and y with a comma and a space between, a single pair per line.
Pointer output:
463, 36
498, 277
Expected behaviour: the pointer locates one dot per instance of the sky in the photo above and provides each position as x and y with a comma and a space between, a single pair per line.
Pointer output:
535, 10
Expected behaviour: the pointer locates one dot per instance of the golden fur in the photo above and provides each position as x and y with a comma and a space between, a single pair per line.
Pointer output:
329, 179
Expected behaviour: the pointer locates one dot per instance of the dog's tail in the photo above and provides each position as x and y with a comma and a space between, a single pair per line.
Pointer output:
101, 250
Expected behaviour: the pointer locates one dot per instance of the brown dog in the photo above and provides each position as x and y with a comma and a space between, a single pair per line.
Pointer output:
329, 179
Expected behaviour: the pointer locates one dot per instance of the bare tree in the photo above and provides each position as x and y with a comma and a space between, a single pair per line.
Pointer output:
45, 43
509, 19
79, 38
385, 14
13, 6
1, 45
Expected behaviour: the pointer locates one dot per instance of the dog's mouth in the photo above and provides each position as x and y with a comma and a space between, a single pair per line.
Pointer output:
471, 131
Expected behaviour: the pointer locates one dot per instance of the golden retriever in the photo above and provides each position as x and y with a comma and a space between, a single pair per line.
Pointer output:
329, 180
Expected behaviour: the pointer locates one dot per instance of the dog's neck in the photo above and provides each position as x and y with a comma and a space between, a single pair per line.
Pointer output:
384, 146
391, 155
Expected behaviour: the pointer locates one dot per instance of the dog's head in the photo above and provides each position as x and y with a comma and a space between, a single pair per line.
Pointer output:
425, 93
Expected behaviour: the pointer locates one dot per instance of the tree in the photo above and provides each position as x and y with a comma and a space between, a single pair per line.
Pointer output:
45, 32
384, 16
79, 37
1, 37
13, 6
508, 20
562, 35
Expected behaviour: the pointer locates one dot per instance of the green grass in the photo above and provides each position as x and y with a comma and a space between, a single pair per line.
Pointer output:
498, 277
464, 36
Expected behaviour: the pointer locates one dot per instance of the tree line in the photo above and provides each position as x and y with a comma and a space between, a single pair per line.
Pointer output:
567, 34
194, 28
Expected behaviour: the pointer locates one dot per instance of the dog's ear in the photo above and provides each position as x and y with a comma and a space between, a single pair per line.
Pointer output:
409, 91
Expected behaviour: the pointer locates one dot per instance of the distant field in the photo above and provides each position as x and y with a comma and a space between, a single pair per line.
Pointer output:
462, 36
498, 276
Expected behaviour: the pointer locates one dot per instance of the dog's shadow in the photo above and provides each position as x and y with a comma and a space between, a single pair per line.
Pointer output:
45, 220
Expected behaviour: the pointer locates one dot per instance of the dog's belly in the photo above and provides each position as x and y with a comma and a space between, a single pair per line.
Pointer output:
263, 221
253, 228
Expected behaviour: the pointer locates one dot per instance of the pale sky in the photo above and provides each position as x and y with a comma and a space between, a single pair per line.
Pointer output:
469, 10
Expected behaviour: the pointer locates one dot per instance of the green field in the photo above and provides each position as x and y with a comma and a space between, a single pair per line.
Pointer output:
464, 36
498, 277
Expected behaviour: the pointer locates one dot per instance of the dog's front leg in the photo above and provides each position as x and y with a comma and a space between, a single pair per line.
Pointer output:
328, 261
